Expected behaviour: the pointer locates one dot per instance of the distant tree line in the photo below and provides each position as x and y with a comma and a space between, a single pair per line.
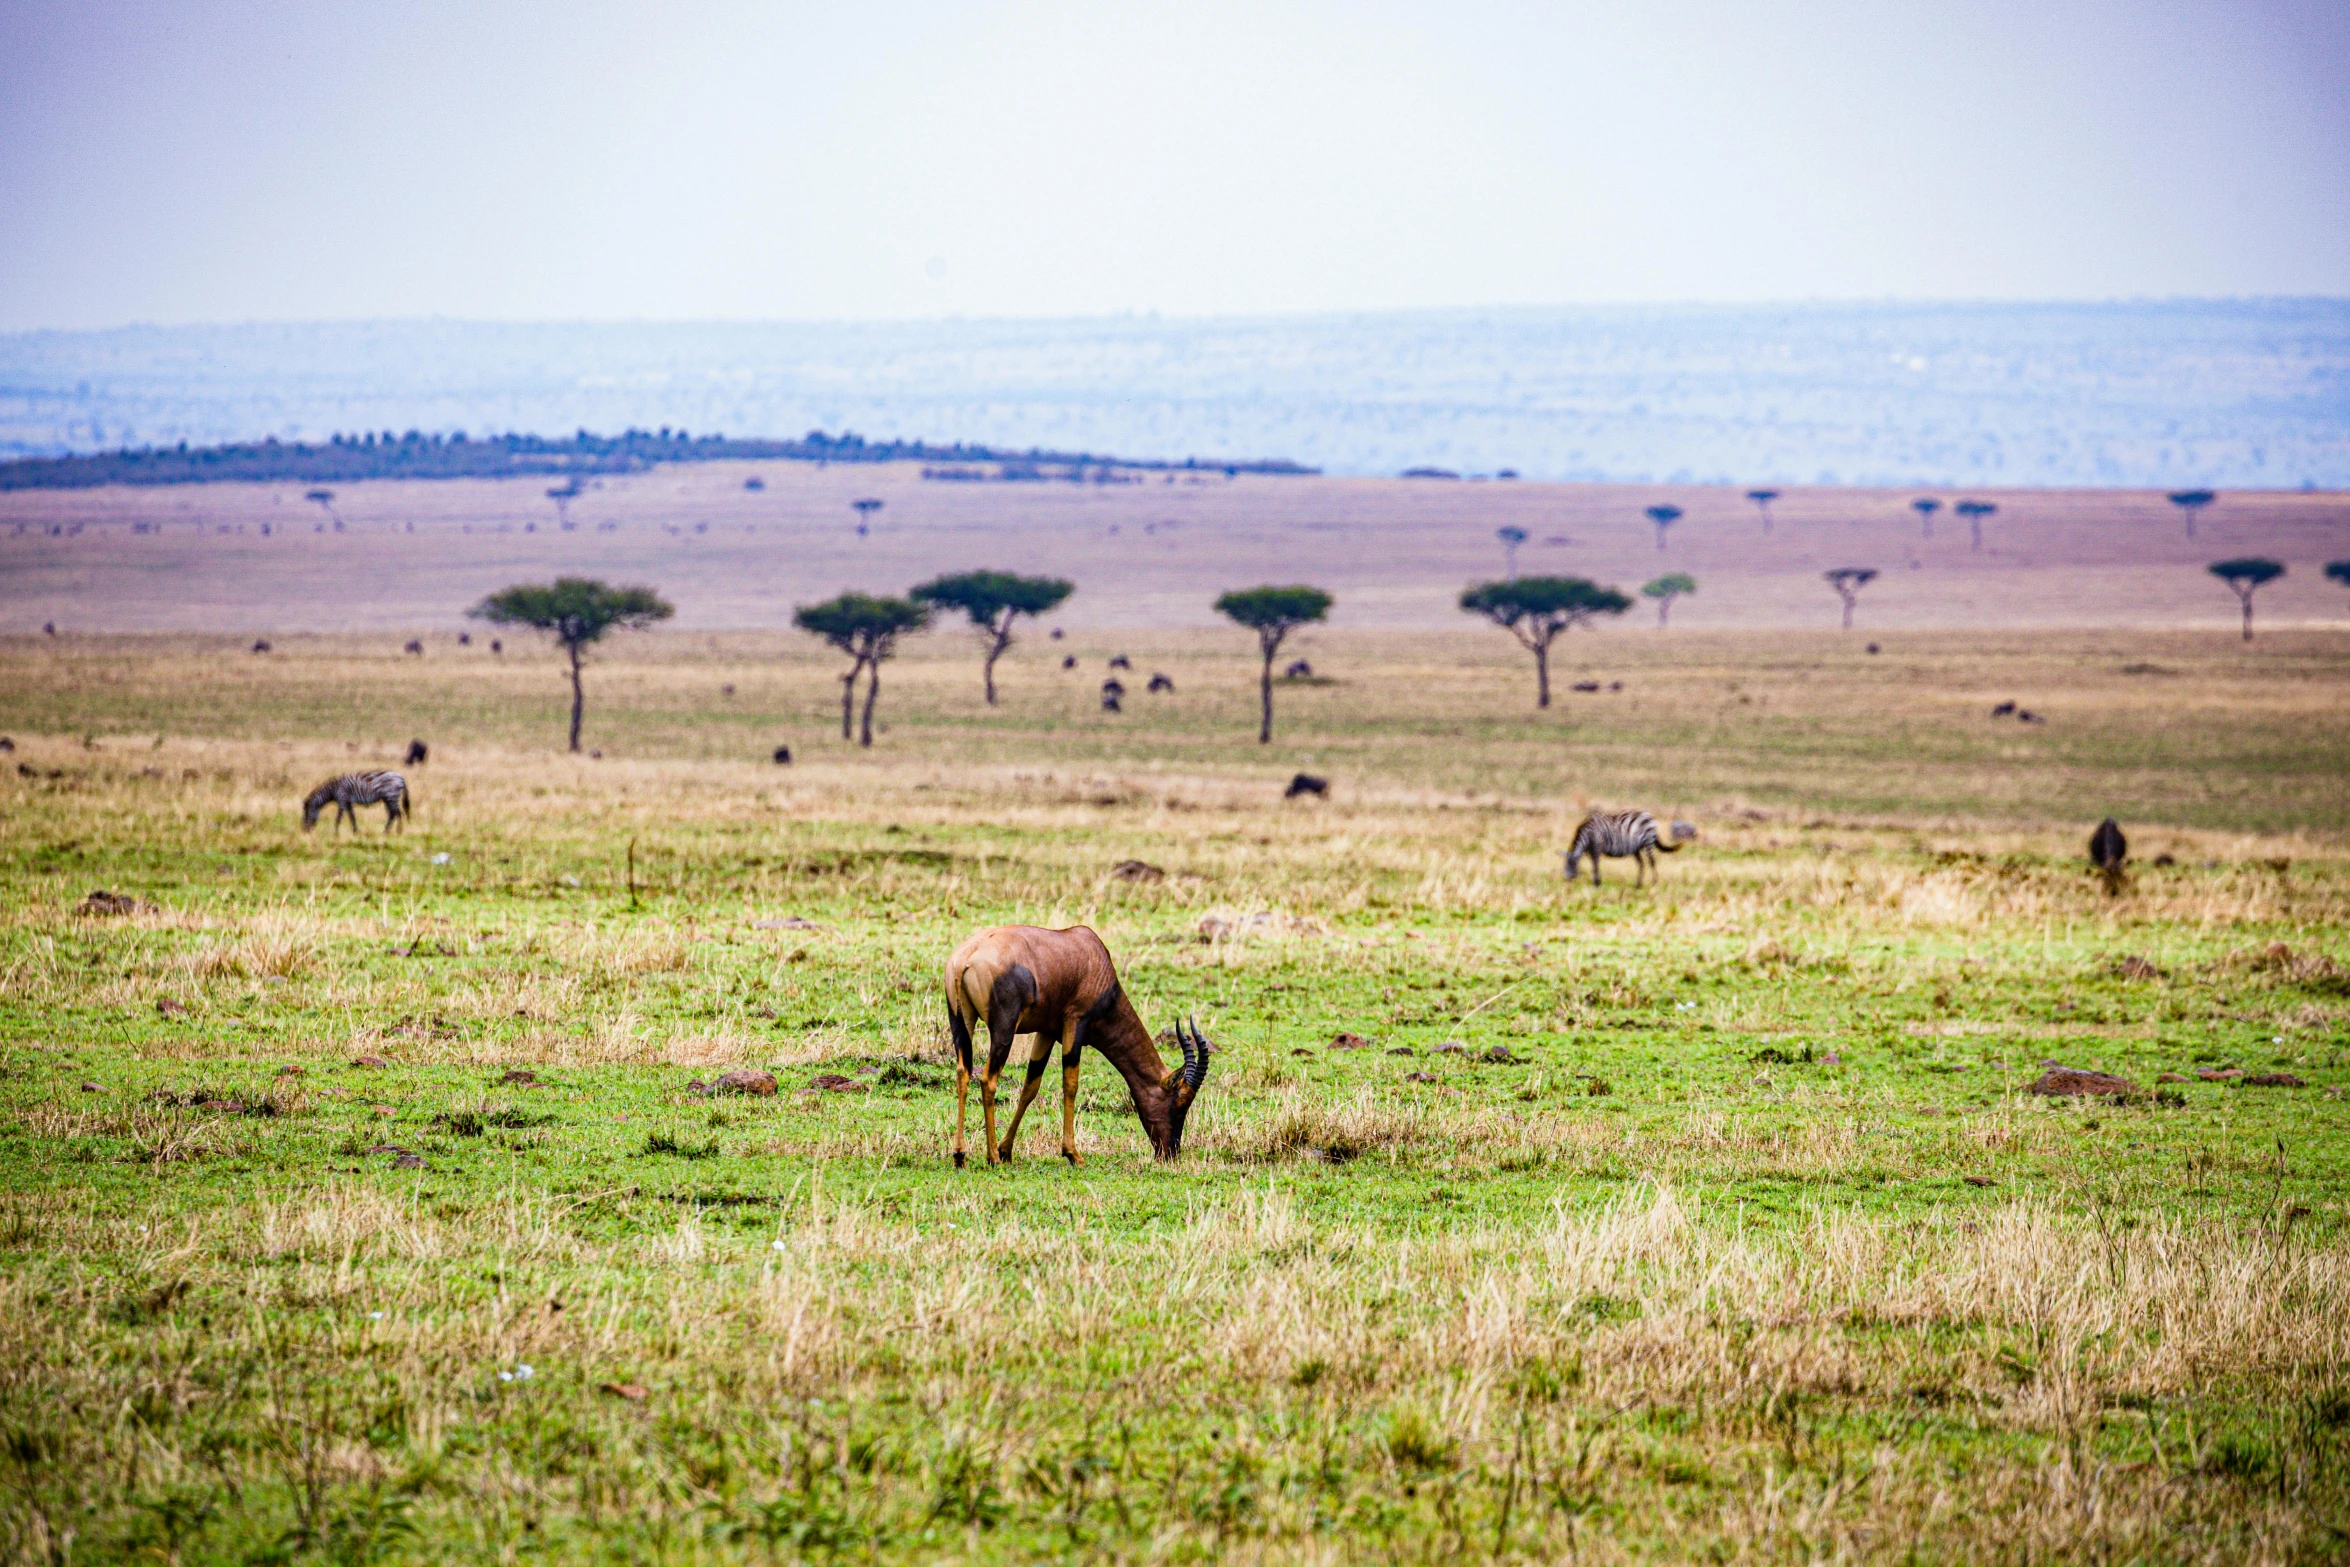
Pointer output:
417, 455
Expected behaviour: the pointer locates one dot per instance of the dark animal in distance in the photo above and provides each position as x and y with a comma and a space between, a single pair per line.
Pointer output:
2003, 710
1301, 670
1121, 662
1623, 835
417, 752
1069, 662
2108, 850
1306, 783
497, 646
353, 790
1160, 682
465, 639
261, 645
782, 756
1061, 986
416, 648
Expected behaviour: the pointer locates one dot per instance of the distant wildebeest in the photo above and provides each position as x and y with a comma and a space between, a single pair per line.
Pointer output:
1121, 662
49, 628
782, 755
1306, 783
2003, 710
1160, 682
2108, 849
2024, 715
497, 646
416, 648
353, 790
1300, 670
261, 645
1623, 835
465, 639
1111, 702
1113, 687
1070, 662
417, 752
1060, 986
1584, 685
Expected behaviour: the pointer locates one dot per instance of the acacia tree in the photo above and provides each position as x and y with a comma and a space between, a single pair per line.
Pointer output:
578, 611
865, 509
1974, 512
1762, 502
866, 628
1272, 613
1848, 581
2338, 571
1664, 517
2189, 502
1665, 589
324, 500
1925, 506
1511, 537
2246, 575
993, 600
1536, 609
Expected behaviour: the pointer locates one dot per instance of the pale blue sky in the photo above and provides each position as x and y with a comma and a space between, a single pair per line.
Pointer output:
194, 161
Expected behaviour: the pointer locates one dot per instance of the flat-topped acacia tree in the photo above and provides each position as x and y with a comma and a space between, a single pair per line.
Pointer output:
578, 611
1762, 502
2247, 575
993, 600
866, 628
1925, 506
1511, 537
1664, 590
1848, 581
1272, 613
1974, 512
2189, 502
1664, 517
1536, 609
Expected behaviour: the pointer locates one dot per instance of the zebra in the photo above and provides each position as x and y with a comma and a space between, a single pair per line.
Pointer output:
352, 790
1622, 834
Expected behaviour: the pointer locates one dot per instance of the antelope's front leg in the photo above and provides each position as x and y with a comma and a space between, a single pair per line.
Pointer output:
1039, 1054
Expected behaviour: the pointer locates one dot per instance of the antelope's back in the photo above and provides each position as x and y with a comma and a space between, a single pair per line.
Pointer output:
1065, 955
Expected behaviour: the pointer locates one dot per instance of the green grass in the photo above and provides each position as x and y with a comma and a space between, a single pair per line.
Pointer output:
1755, 1247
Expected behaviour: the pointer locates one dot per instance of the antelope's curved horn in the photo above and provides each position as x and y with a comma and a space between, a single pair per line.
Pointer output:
1195, 1064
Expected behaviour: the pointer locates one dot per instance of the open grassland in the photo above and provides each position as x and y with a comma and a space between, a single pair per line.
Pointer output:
1727, 1234
258, 558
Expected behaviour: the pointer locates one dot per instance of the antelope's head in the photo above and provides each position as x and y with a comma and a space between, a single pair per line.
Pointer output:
1164, 1120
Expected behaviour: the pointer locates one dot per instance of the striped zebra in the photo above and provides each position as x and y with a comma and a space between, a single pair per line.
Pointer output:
1620, 835
352, 790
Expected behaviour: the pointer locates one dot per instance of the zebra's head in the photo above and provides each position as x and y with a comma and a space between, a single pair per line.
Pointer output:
315, 804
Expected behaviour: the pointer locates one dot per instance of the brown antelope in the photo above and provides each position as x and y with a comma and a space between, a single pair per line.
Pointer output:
1060, 986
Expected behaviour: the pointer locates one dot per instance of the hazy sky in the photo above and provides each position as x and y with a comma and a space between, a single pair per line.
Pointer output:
180, 160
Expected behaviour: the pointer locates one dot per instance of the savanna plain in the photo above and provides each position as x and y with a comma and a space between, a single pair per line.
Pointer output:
358, 1201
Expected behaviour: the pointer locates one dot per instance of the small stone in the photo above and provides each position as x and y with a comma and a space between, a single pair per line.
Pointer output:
833, 1083
1136, 870
522, 1077
370, 1063
290, 1070
2219, 1074
2274, 1080
92, 1088
634, 1392
1403, 1050
1350, 1042
1978, 1180
1452, 1047
1499, 1055
2174, 1077
409, 1161
758, 1085
102, 904
1422, 1077
2136, 968
170, 1008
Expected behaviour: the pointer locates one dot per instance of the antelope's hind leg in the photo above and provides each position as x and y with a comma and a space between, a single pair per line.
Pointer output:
962, 1035
1040, 1054
1069, 1101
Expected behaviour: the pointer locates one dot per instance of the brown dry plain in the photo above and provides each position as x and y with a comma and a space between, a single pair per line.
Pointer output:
1396, 553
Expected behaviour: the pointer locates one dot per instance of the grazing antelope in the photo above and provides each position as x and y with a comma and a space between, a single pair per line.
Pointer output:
353, 790
1060, 986
1620, 835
